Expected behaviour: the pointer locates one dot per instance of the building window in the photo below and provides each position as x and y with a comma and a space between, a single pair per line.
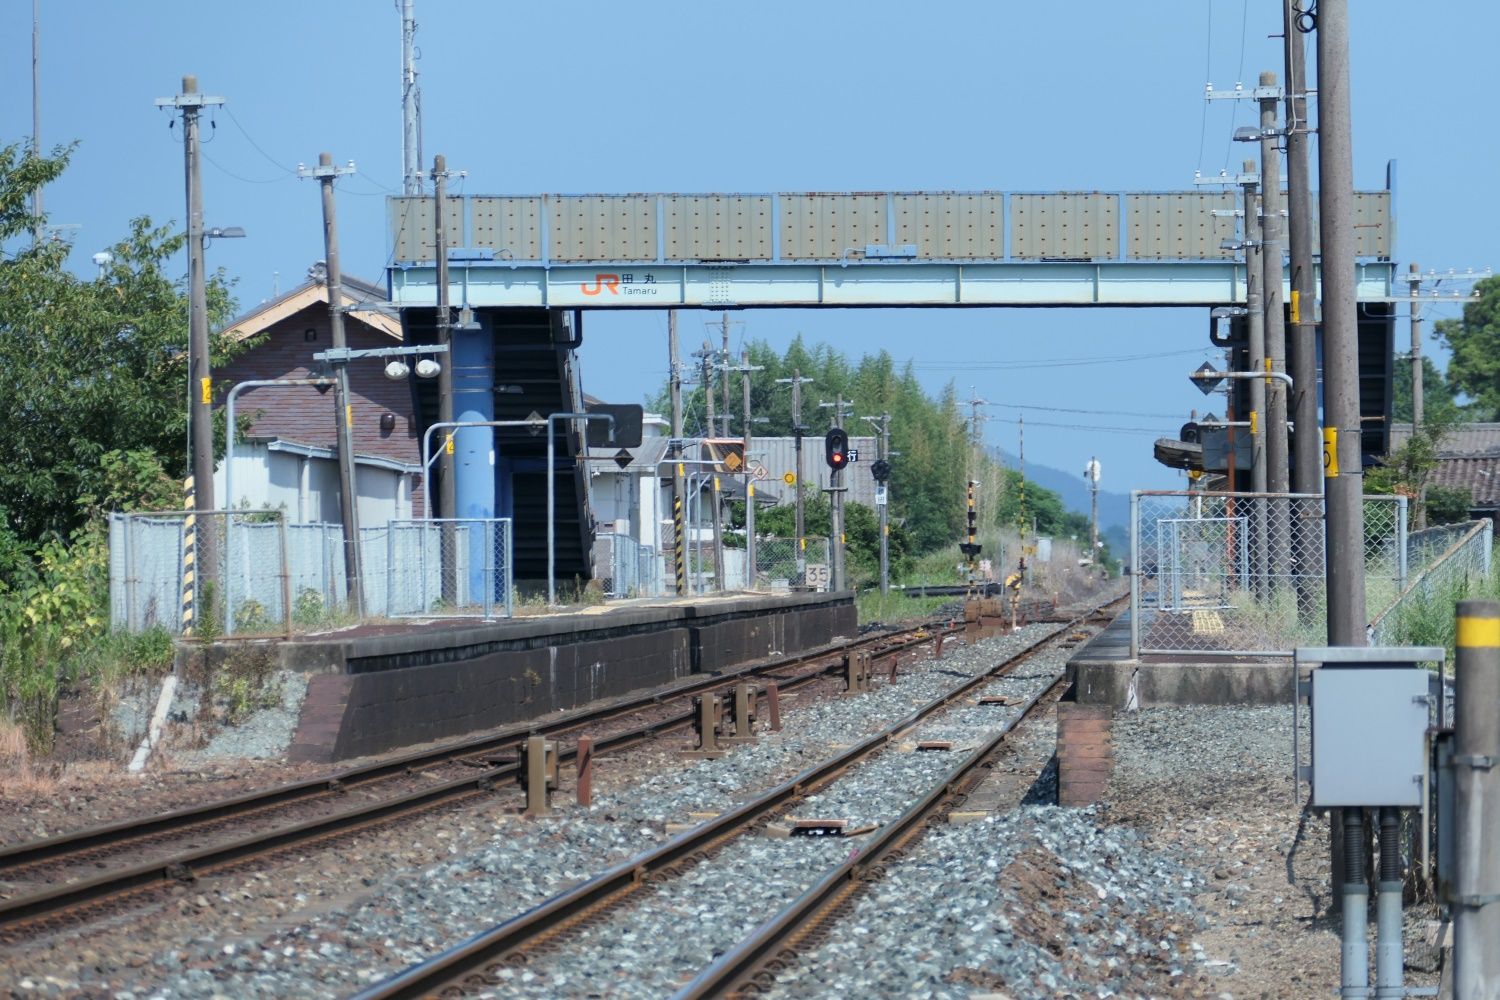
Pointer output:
310, 334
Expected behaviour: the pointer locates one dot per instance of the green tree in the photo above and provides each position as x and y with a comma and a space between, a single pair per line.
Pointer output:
1437, 396
1474, 339
92, 366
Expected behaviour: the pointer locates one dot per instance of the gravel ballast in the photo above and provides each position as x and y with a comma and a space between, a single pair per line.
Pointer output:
398, 918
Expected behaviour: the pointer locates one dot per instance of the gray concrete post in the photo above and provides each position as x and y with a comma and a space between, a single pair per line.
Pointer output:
1475, 896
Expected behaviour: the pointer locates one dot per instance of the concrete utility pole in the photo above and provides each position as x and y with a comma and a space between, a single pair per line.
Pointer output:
1256, 321
796, 382
1307, 469
1277, 470
448, 496
706, 356
745, 369
836, 505
1343, 474
674, 450
724, 365
883, 501
1413, 286
411, 106
325, 172
38, 227
1475, 895
200, 383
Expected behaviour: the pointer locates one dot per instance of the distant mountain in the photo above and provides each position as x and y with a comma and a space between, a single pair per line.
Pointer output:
1114, 508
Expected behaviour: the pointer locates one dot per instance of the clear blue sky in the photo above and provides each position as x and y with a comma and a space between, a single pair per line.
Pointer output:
774, 96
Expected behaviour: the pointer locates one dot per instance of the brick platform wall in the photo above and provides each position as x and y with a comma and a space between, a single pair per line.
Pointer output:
1085, 752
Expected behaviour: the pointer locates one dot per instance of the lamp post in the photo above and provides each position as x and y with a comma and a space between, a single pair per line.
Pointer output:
229, 502
339, 357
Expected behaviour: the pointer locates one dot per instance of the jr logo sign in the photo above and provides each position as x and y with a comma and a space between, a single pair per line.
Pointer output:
601, 283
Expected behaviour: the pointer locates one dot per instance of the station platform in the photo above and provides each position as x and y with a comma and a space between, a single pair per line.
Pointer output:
1103, 672
377, 687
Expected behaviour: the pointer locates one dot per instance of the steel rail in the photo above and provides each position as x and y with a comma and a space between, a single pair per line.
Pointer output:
744, 966
451, 968
188, 865
177, 821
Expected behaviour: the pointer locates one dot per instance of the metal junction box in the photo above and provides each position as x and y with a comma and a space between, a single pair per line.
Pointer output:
1369, 726
1371, 708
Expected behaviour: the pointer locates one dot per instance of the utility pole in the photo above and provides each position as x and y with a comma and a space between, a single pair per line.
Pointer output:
200, 381
674, 450
796, 382
706, 357
883, 500
448, 502
836, 504
38, 227
411, 101
745, 369
1307, 466
1413, 287
1256, 319
1343, 475
1276, 520
1277, 471
724, 365
325, 172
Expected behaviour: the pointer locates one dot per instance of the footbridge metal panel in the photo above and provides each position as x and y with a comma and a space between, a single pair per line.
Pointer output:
913, 248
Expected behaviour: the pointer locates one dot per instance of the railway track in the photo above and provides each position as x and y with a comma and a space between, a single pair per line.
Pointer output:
480, 962
176, 840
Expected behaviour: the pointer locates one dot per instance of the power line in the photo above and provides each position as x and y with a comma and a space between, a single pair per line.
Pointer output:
1051, 362
248, 138
1092, 428
1098, 413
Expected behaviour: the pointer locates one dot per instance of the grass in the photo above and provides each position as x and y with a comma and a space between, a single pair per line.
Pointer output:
894, 607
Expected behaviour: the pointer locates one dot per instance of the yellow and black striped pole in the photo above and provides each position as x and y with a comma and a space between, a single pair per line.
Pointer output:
679, 539
189, 556
1475, 894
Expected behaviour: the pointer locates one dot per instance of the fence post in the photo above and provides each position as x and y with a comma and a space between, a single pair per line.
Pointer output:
1135, 575
129, 559
227, 545
390, 569
510, 582
489, 566
286, 573
1401, 538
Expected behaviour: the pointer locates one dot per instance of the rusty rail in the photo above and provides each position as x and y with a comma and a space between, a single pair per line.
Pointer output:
452, 968
185, 866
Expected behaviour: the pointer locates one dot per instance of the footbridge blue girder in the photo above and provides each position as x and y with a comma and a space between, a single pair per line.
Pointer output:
623, 285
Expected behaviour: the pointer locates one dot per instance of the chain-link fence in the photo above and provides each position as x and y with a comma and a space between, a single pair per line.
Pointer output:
458, 567
250, 572
781, 564
214, 571
625, 567
1441, 562
1241, 573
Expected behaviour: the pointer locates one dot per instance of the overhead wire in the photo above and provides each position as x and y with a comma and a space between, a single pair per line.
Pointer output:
1097, 413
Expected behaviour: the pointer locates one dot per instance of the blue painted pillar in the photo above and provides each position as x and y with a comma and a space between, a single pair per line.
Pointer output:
473, 359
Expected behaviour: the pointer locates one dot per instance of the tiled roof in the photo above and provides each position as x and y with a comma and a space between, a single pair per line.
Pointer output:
1463, 439
1478, 475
